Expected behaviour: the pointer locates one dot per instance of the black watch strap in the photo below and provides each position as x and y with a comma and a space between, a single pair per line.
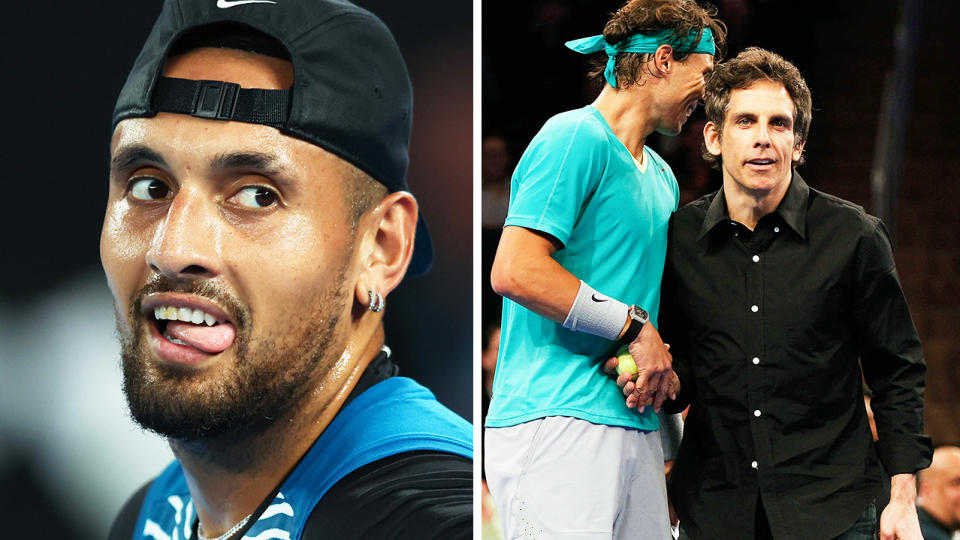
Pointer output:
638, 318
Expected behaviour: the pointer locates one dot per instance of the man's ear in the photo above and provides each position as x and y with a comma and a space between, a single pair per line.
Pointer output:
663, 60
386, 244
798, 151
711, 138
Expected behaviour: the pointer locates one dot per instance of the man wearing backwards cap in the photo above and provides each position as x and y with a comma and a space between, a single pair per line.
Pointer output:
257, 220
585, 238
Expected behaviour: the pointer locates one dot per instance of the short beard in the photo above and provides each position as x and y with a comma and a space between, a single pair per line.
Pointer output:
228, 403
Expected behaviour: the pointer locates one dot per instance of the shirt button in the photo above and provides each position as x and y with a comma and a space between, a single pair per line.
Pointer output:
776, 229
756, 258
754, 309
756, 361
756, 412
753, 464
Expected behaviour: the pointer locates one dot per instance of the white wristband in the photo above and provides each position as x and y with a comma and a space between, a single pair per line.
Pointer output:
596, 314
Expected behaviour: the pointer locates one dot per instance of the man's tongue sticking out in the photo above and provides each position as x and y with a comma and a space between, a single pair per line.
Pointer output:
209, 339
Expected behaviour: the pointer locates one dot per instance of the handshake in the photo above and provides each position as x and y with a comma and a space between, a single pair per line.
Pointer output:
651, 380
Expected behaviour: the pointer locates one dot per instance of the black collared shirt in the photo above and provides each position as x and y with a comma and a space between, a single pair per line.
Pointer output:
766, 327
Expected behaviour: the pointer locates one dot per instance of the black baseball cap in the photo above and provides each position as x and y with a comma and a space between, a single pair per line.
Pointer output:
351, 93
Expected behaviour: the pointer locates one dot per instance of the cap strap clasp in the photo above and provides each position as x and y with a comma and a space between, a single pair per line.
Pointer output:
222, 100
216, 99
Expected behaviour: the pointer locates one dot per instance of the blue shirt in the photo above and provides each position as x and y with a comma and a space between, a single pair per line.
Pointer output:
578, 183
394, 416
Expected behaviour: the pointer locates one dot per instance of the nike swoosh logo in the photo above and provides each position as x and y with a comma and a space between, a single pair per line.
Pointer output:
224, 4
595, 299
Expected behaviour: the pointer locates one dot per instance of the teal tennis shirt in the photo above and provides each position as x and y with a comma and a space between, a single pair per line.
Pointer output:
579, 183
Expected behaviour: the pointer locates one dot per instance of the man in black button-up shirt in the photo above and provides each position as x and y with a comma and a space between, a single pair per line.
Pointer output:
772, 292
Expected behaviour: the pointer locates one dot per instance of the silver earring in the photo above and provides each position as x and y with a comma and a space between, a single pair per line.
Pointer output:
376, 301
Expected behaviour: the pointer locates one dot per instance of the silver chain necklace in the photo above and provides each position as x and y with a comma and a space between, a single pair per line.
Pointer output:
233, 530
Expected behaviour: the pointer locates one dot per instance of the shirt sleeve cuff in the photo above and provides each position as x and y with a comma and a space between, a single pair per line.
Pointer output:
905, 454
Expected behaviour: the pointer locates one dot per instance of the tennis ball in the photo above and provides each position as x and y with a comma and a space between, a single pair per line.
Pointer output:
625, 363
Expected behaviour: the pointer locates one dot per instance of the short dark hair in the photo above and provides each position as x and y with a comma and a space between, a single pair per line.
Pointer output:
361, 191
647, 16
751, 65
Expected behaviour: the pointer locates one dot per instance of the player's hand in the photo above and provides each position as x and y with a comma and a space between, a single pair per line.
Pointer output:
640, 401
610, 368
627, 383
673, 388
654, 365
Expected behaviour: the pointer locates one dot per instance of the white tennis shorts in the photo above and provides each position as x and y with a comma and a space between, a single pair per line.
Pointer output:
562, 477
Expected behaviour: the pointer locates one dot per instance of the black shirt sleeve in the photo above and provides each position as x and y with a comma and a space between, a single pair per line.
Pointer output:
415, 495
125, 522
891, 356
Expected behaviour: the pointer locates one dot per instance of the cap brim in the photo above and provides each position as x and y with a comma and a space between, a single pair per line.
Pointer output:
422, 251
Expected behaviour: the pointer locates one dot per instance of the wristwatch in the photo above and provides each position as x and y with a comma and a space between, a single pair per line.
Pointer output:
638, 318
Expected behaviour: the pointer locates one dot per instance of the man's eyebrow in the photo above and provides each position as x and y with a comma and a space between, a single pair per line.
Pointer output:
260, 162
130, 156
783, 118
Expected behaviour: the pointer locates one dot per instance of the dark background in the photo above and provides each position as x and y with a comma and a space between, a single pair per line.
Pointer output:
63, 65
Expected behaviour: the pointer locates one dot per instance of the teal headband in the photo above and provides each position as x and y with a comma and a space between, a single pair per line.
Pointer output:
642, 43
